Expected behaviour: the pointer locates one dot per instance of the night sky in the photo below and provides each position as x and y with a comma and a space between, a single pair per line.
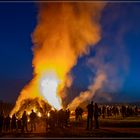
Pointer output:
120, 24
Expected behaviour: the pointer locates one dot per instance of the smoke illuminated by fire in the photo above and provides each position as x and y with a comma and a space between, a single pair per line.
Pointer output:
87, 95
64, 32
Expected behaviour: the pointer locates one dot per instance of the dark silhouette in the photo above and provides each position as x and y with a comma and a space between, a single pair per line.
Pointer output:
48, 121
52, 120
108, 111
90, 115
96, 115
123, 111
14, 123
7, 123
136, 110
33, 117
67, 117
61, 115
78, 113
19, 125
103, 111
1, 121
24, 122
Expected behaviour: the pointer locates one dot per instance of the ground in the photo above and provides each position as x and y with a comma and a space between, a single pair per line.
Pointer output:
109, 128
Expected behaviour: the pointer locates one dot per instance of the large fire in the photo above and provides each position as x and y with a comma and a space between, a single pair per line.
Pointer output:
64, 32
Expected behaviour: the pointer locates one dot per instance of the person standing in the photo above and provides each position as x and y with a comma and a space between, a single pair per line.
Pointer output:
90, 115
33, 117
76, 114
7, 122
67, 117
96, 115
13, 123
103, 111
24, 122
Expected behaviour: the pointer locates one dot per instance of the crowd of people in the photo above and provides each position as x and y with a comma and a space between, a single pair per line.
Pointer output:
118, 110
104, 111
14, 124
61, 118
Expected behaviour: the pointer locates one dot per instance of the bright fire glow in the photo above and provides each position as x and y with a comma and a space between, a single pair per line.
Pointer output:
28, 113
48, 87
48, 114
34, 109
39, 114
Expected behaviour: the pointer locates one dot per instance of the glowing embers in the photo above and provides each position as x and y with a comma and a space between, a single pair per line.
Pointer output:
48, 87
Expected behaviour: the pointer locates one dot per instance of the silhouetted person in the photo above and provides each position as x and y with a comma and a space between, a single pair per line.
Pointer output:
96, 115
19, 125
7, 123
52, 120
103, 111
13, 122
33, 117
76, 114
80, 112
55, 118
1, 121
48, 121
90, 115
24, 122
123, 111
108, 111
136, 110
61, 115
67, 117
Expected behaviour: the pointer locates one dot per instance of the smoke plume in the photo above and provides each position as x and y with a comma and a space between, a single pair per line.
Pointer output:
88, 95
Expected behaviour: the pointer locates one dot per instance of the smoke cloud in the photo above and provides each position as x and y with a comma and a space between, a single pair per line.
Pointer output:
88, 95
110, 58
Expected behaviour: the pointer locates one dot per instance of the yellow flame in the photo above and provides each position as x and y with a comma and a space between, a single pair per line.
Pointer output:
48, 87
34, 109
28, 113
39, 114
48, 114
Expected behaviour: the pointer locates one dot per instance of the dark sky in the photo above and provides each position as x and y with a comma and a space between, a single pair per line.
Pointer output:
120, 23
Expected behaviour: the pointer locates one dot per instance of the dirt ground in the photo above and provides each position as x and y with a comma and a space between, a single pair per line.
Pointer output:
109, 128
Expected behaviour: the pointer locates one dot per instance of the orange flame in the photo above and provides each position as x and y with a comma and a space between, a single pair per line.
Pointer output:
64, 32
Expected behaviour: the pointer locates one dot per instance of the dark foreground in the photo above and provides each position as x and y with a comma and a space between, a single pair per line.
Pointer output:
109, 128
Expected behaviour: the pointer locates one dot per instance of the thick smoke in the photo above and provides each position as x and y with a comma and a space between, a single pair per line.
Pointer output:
110, 58
88, 95
110, 66
64, 32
